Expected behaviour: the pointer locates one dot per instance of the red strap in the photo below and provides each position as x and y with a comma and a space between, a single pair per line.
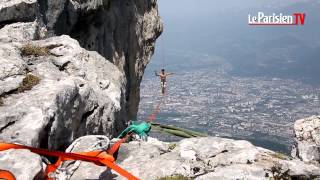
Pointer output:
155, 112
121, 171
114, 148
98, 157
6, 175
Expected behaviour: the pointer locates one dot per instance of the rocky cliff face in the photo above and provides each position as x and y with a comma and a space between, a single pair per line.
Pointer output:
196, 158
307, 146
122, 31
79, 91
211, 158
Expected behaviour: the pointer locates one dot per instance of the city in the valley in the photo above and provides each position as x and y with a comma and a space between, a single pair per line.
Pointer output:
260, 109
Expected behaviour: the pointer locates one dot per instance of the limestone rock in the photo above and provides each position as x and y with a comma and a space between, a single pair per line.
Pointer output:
80, 93
243, 171
124, 32
307, 132
131, 28
12, 72
88, 5
18, 32
209, 158
18, 10
23, 164
13, 68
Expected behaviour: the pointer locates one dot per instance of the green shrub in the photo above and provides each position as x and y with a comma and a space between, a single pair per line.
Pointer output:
34, 50
175, 177
28, 82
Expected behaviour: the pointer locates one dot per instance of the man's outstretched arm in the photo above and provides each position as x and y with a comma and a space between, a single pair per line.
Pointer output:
155, 73
170, 73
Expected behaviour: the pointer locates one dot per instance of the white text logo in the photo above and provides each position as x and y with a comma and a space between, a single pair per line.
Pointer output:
276, 19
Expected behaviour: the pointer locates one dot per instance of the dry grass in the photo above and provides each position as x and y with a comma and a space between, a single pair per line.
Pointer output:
34, 50
175, 177
172, 146
280, 156
28, 82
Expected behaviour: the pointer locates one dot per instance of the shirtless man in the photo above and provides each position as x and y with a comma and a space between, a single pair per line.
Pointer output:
163, 79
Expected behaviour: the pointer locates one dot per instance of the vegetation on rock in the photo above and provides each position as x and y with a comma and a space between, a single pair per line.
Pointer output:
28, 82
280, 156
34, 50
175, 177
172, 146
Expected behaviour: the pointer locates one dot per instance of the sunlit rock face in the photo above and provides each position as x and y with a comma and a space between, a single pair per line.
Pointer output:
197, 158
80, 91
124, 32
307, 146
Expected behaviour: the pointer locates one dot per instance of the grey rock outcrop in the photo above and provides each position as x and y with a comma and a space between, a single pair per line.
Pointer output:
198, 158
19, 32
307, 132
12, 66
22, 164
122, 31
79, 93
17, 11
12, 69
210, 158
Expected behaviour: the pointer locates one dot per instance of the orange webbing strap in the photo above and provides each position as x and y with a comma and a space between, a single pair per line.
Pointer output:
97, 157
6, 175
98, 154
114, 148
120, 170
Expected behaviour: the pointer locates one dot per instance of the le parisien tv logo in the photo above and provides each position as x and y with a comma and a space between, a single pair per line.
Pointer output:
296, 19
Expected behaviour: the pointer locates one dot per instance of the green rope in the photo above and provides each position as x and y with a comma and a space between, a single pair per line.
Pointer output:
142, 129
185, 133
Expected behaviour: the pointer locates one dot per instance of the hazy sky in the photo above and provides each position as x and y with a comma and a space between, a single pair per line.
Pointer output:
220, 29
194, 18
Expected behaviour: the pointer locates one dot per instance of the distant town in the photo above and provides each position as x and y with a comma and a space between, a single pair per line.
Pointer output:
258, 109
